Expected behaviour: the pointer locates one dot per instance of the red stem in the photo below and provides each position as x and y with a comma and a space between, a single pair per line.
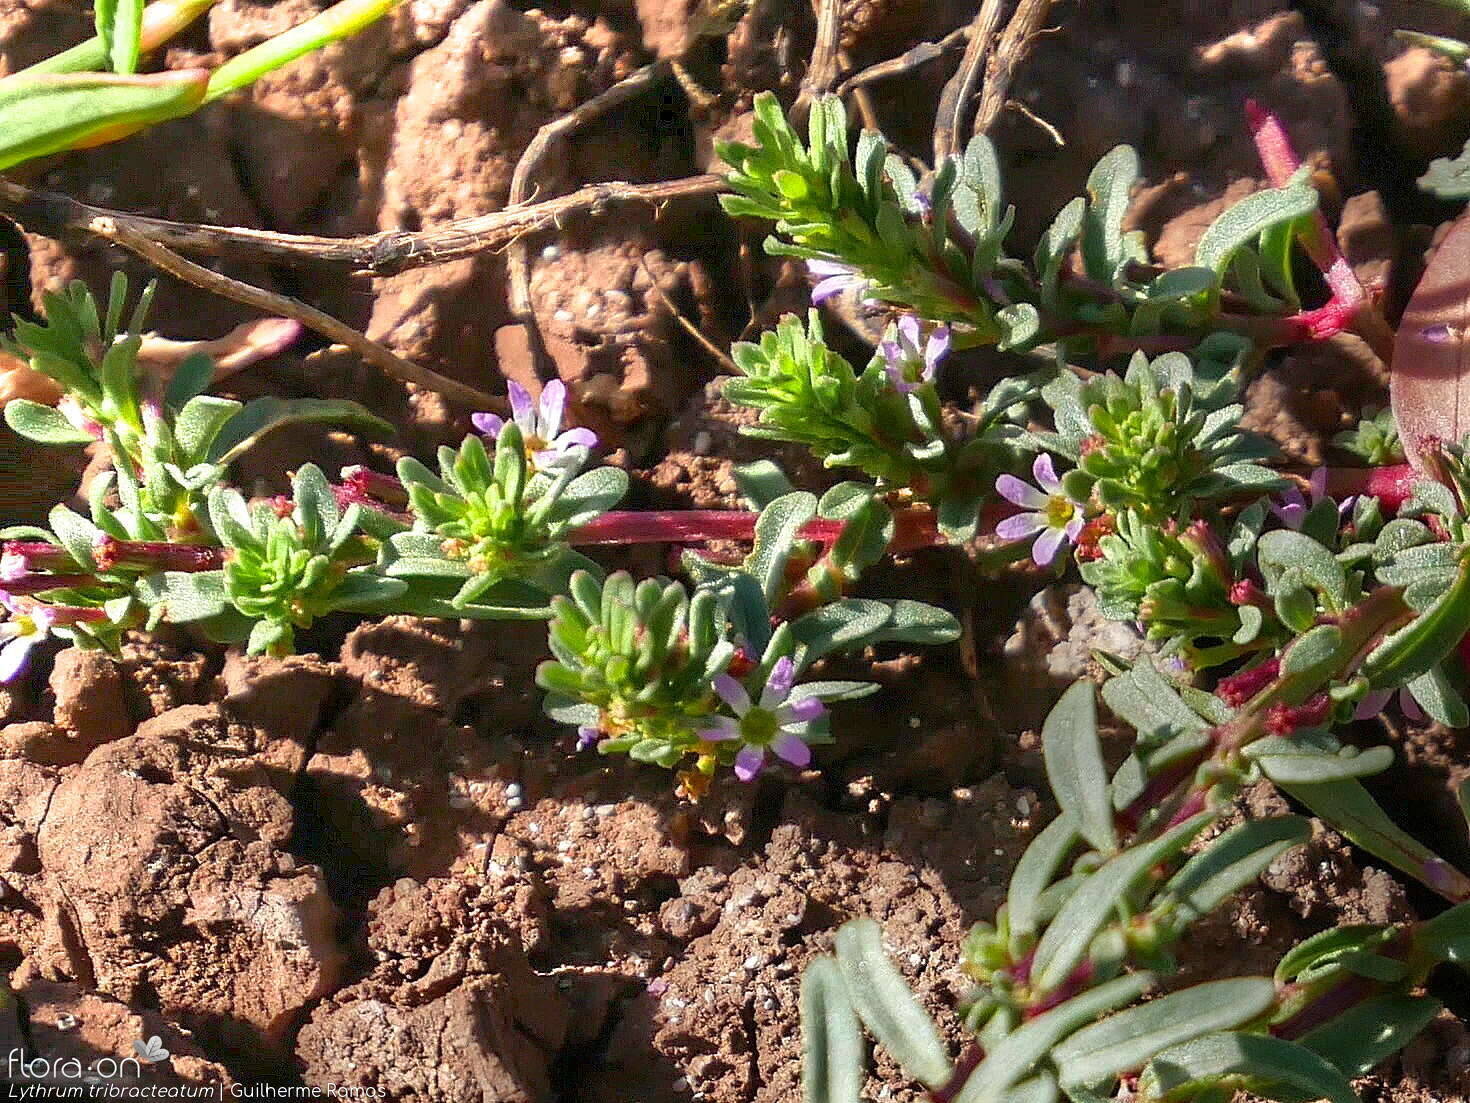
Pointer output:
1350, 303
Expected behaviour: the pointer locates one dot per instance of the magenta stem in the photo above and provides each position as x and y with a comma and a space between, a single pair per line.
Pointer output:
41, 583
155, 555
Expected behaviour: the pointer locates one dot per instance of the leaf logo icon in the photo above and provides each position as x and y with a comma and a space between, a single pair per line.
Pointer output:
151, 1051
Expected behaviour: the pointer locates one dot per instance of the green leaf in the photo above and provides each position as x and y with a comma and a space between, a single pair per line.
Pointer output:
1248, 219
833, 1057
47, 114
316, 506
1129, 1039
1009, 1061
262, 415
76, 534
775, 531
43, 424
187, 597
190, 378
1418, 647
1357, 1040
1348, 808
1075, 768
1283, 550
1056, 243
1229, 863
590, 495
1109, 186
839, 626
1066, 940
917, 622
1286, 764
1035, 871
881, 997
1449, 177
1272, 1067
761, 482
1446, 937
199, 422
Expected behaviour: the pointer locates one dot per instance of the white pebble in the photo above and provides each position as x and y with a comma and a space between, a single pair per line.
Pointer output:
551, 252
66, 1021
702, 442
513, 789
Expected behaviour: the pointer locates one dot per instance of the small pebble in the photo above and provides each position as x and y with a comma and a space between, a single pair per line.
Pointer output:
513, 789
551, 252
703, 442
66, 1021
515, 804
605, 810
563, 315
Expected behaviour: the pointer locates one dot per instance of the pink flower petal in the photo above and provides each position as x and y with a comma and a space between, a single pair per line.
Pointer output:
522, 409
936, 350
1045, 473
748, 763
1020, 526
1410, 706
908, 332
1318, 483
13, 657
778, 685
1074, 527
733, 694
1372, 704
832, 285
806, 710
721, 728
1047, 545
1018, 493
489, 424
553, 404
793, 749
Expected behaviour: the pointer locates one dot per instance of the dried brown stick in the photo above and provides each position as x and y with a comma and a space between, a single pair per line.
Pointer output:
822, 72
1015, 42
394, 365
518, 255
378, 254
905, 62
959, 90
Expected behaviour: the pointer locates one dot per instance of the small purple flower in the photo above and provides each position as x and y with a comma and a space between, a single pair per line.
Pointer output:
1055, 516
13, 567
834, 278
910, 360
772, 723
29, 624
1294, 506
540, 425
588, 736
1373, 703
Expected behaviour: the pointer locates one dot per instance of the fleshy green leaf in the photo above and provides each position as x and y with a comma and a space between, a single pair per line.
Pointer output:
1066, 940
833, 1058
42, 424
1358, 1039
1261, 1064
1075, 768
1229, 863
1016, 1055
1248, 219
259, 417
1129, 1039
882, 999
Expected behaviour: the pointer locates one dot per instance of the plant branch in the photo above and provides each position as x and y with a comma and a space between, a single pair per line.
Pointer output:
378, 254
388, 361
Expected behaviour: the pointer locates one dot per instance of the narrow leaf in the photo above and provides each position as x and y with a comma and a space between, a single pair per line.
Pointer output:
42, 424
1075, 768
1129, 1039
832, 1067
1258, 1063
1358, 1039
887, 1007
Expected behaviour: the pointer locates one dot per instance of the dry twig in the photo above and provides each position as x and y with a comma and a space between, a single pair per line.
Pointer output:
906, 62
954, 101
822, 72
995, 55
379, 254
518, 256
394, 365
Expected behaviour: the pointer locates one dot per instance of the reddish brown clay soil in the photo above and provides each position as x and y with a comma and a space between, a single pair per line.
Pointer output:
382, 867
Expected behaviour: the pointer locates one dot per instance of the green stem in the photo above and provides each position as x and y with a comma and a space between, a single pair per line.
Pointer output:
337, 22
161, 21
